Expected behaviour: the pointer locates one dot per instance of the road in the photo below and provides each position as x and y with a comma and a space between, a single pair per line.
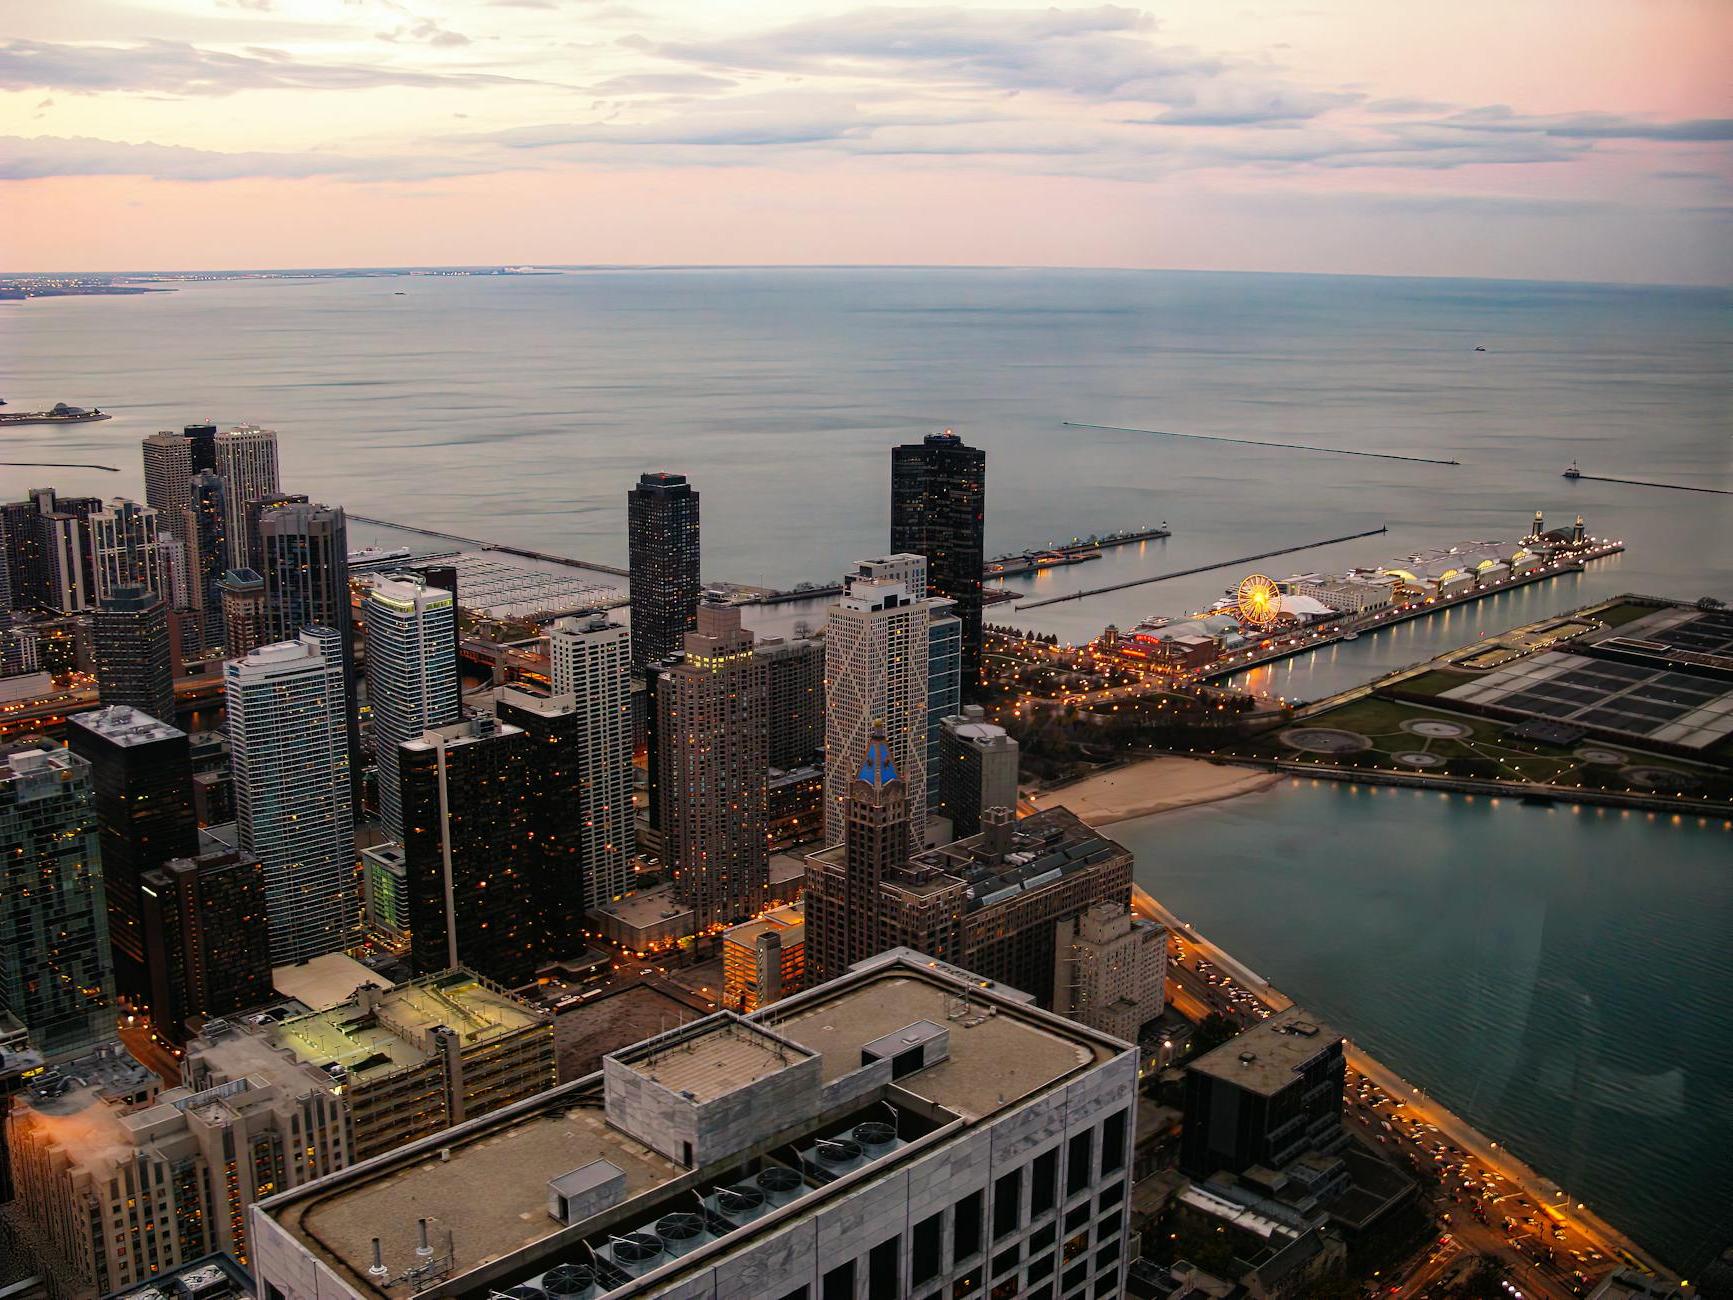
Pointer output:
1471, 1176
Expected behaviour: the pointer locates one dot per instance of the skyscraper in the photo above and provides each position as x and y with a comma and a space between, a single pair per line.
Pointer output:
56, 978
141, 782
290, 751
202, 445
938, 509
796, 684
412, 676
662, 529
207, 552
713, 774
243, 592
247, 463
977, 769
592, 663
469, 881
128, 552
207, 938
134, 659
944, 682
876, 646
842, 889
554, 725
168, 468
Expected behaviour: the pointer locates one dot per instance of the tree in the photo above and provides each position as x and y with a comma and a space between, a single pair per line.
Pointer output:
1212, 1031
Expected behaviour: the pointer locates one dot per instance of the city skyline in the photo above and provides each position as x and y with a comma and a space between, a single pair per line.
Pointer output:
1342, 137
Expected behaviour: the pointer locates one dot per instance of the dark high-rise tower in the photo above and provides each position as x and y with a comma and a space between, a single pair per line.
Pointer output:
554, 768
938, 508
843, 911
141, 781
202, 446
129, 636
662, 526
207, 551
207, 939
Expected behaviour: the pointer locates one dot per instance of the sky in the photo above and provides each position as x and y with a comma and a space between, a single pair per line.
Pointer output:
1544, 139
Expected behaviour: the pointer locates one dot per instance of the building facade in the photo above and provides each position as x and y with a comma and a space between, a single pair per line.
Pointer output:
293, 797
795, 682
764, 960
412, 677
591, 659
246, 459
938, 509
141, 782
56, 972
1110, 969
168, 469
553, 769
845, 922
131, 641
243, 594
207, 939
128, 553
977, 769
713, 770
662, 532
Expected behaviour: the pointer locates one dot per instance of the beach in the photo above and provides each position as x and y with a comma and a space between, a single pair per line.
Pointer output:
1153, 785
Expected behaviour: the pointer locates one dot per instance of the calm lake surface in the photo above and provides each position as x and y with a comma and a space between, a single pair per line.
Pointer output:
1559, 977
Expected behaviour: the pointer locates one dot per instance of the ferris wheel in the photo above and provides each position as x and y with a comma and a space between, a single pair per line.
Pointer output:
1260, 600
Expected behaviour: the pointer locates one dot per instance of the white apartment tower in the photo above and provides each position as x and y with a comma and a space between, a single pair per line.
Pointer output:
1110, 969
412, 676
247, 464
876, 642
289, 747
592, 663
128, 553
168, 469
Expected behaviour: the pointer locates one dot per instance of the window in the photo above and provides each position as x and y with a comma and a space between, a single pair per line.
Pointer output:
1075, 1246
1108, 1228
968, 1284
1041, 1238
799, 1293
1107, 1284
1078, 1164
1075, 1276
1111, 1197
1043, 1182
1077, 1218
1113, 1143
1041, 1268
839, 1282
1006, 1260
966, 1238
1042, 1293
884, 1268
1108, 1254
925, 1248
1007, 1203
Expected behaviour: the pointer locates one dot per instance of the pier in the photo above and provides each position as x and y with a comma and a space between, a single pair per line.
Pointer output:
1258, 442
1201, 568
1643, 482
501, 547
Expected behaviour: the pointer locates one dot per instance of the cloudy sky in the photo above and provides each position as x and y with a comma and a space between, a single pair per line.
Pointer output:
1558, 139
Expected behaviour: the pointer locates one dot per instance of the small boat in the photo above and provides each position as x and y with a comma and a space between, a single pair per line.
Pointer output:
60, 413
1479, 348
1573, 471
1352, 636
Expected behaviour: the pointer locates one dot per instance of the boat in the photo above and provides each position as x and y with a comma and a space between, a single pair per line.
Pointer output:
61, 413
1572, 472
1352, 636
1479, 348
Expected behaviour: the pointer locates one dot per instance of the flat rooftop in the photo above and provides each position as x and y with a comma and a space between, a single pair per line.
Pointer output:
1044, 847
1267, 1057
325, 982
123, 725
709, 1060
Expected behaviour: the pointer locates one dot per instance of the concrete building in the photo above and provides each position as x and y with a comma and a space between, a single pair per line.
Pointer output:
944, 686
207, 939
1354, 594
130, 638
905, 567
247, 462
845, 922
1110, 969
412, 677
876, 648
795, 670
906, 1130
1264, 1098
713, 770
764, 960
243, 597
53, 917
293, 794
141, 782
128, 553
977, 769
662, 535
938, 509
168, 468
591, 659
206, 534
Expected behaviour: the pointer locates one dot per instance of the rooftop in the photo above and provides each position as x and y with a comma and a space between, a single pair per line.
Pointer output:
1039, 849
327, 981
1267, 1057
708, 1060
126, 726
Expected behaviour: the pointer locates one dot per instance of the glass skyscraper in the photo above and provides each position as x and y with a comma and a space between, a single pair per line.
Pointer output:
938, 509
662, 532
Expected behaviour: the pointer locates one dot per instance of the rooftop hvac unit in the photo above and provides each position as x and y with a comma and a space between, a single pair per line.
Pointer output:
831, 1158
561, 1282
779, 1185
635, 1254
875, 1137
739, 1204
681, 1232
529, 1292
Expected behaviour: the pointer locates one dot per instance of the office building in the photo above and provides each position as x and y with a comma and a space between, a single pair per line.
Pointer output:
1264, 1098
470, 874
64, 544
553, 770
938, 509
795, 682
977, 769
168, 469
131, 642
876, 647
293, 799
662, 531
902, 1131
243, 597
56, 973
590, 656
1110, 969
202, 444
255, 510
713, 770
844, 924
412, 676
207, 551
764, 960
206, 938
246, 460
124, 540
906, 567
141, 782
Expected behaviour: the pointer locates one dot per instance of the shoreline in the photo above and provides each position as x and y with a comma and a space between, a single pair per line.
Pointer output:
1162, 783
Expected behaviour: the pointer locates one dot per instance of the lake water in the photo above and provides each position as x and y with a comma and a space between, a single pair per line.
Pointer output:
1557, 976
